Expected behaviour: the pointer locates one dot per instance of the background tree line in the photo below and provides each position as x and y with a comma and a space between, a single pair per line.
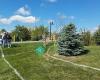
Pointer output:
22, 33
91, 38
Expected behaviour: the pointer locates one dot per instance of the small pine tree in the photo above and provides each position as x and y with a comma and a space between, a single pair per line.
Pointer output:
69, 42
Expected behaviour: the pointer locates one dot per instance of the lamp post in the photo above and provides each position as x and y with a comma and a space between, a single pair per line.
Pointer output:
51, 23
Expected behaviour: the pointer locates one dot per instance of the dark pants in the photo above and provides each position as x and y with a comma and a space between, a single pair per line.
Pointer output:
4, 42
9, 43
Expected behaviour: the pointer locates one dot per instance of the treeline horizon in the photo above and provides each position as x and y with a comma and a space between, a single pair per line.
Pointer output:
24, 33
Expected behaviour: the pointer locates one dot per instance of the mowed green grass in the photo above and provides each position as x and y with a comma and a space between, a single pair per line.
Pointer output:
91, 59
5, 72
34, 67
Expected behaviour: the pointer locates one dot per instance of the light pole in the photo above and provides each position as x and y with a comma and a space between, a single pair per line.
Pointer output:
51, 23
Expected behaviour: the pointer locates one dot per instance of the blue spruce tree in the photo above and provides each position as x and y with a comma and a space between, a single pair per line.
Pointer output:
69, 42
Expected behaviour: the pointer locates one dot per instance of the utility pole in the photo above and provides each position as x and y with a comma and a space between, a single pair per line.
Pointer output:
51, 23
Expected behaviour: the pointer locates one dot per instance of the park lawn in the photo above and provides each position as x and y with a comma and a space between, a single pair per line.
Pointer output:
35, 67
5, 72
91, 59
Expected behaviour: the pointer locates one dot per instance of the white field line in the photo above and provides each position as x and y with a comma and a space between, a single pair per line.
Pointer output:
27, 42
15, 71
75, 64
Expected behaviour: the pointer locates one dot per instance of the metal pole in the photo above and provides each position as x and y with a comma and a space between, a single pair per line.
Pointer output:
51, 23
50, 30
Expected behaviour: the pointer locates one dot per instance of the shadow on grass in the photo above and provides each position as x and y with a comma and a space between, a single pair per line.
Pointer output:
15, 45
49, 44
86, 51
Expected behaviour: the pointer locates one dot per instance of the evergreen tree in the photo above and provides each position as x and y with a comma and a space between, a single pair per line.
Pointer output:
69, 42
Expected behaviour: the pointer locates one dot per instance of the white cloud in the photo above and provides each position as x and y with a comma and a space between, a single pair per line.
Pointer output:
63, 16
71, 17
4, 21
59, 13
52, 1
42, 5
23, 11
19, 18
93, 29
23, 14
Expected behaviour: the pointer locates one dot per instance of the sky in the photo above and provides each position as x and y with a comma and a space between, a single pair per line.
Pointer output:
84, 14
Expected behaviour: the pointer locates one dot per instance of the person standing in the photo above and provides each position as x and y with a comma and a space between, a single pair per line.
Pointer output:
9, 38
4, 39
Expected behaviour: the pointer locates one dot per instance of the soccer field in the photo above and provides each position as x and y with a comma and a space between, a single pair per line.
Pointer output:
34, 67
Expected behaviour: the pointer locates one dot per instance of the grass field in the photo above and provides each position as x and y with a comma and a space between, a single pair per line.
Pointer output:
34, 67
90, 59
